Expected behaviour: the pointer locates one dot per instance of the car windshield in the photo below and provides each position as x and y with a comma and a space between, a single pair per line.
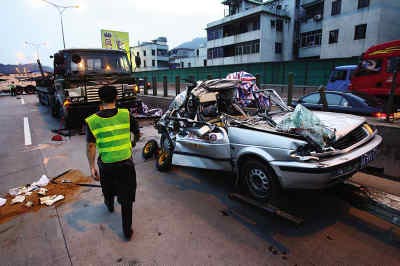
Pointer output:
369, 67
339, 75
100, 63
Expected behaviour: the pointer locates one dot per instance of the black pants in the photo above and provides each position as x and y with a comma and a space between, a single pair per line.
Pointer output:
13, 92
119, 179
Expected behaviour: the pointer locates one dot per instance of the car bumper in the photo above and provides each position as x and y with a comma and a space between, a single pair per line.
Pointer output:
325, 173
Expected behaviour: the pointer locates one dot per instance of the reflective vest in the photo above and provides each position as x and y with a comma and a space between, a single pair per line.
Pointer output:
113, 136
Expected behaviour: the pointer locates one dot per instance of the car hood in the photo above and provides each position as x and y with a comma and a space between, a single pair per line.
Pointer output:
342, 123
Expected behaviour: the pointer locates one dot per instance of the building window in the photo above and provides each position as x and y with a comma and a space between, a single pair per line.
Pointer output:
144, 52
333, 36
363, 3
272, 23
153, 52
214, 34
311, 38
215, 52
197, 52
189, 64
204, 62
251, 47
144, 63
278, 47
360, 31
279, 25
336, 7
153, 63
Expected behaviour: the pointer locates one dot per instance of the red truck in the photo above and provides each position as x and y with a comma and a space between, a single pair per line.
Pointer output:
374, 74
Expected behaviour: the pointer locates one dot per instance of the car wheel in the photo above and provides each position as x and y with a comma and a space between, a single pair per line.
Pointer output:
164, 161
259, 180
149, 149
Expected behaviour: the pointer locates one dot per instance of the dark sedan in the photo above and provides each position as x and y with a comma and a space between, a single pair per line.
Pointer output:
343, 102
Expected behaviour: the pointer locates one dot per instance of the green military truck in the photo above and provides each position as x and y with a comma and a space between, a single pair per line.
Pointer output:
71, 91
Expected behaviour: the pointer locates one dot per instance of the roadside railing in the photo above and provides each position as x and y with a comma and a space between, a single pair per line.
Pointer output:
171, 89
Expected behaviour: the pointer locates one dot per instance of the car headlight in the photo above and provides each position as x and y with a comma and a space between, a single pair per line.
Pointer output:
303, 153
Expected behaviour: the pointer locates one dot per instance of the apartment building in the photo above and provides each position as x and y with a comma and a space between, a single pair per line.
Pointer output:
153, 54
281, 30
252, 31
187, 57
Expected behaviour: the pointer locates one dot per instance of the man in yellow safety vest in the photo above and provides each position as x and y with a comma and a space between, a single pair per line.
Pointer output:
109, 131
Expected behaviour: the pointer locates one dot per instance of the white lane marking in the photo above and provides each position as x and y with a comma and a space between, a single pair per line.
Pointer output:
27, 132
22, 101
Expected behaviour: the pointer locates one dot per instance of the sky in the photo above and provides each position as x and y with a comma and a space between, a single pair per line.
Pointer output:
36, 22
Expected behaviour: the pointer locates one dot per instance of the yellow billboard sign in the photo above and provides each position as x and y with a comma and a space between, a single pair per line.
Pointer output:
116, 40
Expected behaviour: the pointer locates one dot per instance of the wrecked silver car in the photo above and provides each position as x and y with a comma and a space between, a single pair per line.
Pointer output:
267, 144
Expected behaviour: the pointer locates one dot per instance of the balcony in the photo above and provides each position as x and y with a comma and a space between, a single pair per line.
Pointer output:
308, 3
244, 37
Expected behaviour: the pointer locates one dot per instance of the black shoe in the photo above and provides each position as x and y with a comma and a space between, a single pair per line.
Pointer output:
128, 234
109, 204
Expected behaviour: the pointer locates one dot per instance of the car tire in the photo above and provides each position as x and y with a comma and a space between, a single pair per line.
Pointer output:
149, 149
164, 161
259, 180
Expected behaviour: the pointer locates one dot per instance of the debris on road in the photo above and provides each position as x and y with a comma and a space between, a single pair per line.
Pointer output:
42, 191
18, 199
9, 211
50, 200
43, 181
2, 201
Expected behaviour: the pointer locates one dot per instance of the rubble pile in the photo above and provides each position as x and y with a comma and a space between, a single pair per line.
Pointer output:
40, 194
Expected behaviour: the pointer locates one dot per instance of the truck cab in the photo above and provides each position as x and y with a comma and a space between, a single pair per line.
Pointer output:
340, 78
78, 75
374, 74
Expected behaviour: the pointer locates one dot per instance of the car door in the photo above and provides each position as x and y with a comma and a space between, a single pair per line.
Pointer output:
210, 150
311, 101
337, 103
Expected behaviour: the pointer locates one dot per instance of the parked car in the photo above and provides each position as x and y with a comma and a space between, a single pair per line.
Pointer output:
340, 78
205, 127
343, 102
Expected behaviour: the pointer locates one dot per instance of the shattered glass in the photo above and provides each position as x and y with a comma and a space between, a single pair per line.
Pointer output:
305, 123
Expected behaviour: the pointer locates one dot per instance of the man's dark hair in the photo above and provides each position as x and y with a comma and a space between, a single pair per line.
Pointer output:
108, 94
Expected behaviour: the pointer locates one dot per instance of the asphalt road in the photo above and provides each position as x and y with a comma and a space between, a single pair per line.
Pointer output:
182, 217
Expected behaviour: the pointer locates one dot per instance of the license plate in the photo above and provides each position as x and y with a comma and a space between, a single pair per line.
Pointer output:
367, 158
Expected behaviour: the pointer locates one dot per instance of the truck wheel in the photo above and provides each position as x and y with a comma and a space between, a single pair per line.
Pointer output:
30, 89
149, 149
164, 161
259, 180
19, 90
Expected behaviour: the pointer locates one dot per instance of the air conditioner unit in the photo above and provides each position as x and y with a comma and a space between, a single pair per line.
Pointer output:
318, 17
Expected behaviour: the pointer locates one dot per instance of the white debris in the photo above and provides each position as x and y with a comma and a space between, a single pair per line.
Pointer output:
29, 204
50, 200
43, 181
42, 191
28, 193
18, 199
17, 191
2, 201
